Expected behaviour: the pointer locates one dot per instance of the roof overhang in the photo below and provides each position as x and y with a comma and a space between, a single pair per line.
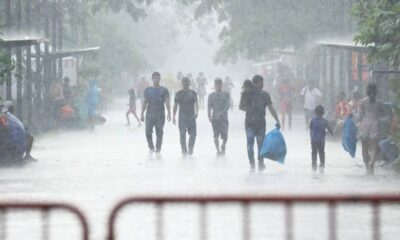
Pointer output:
350, 46
11, 43
71, 53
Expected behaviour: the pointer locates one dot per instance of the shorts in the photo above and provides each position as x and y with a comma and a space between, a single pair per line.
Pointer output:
220, 128
131, 110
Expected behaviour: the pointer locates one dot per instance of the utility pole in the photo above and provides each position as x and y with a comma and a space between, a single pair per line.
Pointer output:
19, 61
60, 6
46, 64
8, 52
53, 35
28, 79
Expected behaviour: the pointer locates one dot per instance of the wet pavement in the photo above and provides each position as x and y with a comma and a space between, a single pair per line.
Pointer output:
95, 169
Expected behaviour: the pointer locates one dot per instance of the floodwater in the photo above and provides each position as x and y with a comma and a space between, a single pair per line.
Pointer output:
95, 169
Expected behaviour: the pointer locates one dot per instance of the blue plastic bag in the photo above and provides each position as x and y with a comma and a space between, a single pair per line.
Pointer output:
274, 146
349, 138
17, 135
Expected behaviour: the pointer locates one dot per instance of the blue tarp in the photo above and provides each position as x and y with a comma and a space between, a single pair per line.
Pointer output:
92, 98
274, 146
15, 140
349, 140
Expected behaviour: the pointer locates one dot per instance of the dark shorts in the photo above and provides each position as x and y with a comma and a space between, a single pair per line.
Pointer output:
220, 128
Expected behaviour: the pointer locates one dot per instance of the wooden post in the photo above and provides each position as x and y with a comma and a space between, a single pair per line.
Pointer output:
324, 71
53, 38
8, 52
46, 63
360, 68
19, 62
331, 77
28, 79
341, 70
349, 70
38, 84
60, 14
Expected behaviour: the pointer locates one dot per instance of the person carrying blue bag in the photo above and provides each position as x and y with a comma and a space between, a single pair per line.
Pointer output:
256, 101
274, 146
349, 138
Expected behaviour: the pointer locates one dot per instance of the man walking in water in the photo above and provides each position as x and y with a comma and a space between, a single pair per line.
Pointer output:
218, 107
255, 122
186, 100
155, 100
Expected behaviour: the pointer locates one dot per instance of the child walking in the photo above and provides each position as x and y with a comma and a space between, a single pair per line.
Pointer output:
318, 127
132, 107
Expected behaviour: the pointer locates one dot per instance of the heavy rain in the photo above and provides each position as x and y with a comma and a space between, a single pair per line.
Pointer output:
199, 119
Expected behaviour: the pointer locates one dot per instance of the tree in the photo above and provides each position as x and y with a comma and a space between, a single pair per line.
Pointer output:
135, 8
255, 27
127, 46
379, 25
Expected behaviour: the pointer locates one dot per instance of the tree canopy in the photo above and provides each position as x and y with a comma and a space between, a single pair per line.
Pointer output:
255, 27
379, 24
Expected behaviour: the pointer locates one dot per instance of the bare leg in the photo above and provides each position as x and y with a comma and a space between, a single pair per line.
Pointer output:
29, 140
374, 147
283, 118
223, 146
216, 142
365, 154
137, 118
127, 119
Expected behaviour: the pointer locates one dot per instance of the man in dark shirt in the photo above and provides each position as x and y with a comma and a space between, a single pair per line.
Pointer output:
218, 107
155, 100
186, 100
255, 122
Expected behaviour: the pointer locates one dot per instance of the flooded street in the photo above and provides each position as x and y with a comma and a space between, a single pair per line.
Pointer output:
95, 169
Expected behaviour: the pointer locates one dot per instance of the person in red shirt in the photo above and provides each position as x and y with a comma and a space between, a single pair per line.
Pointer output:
342, 109
342, 112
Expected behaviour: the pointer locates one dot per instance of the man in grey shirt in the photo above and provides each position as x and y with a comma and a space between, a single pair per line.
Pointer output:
155, 100
187, 101
218, 107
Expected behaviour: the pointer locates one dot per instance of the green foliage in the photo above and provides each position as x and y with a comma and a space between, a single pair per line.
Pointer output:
379, 25
126, 46
135, 8
255, 27
6, 65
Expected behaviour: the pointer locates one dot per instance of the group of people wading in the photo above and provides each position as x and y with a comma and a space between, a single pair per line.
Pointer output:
254, 100
156, 109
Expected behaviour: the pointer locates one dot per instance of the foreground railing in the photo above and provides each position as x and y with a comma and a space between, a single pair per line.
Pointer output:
45, 210
245, 202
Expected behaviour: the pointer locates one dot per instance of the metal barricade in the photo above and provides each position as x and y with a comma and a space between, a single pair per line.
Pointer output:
7, 208
375, 201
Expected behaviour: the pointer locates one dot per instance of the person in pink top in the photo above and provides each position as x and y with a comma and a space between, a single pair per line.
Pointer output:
368, 121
